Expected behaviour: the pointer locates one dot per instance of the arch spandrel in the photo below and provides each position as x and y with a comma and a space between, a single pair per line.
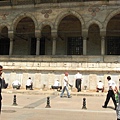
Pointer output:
44, 23
94, 22
66, 13
2, 25
111, 15
21, 16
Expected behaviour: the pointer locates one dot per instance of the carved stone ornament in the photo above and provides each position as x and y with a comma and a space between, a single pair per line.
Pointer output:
46, 13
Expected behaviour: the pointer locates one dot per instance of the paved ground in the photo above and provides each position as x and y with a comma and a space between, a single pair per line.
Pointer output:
32, 105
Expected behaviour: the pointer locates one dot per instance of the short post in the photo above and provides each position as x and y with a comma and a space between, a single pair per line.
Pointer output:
14, 100
48, 103
84, 103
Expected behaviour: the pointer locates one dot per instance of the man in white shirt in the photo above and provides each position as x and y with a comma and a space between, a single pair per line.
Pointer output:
66, 83
78, 81
57, 85
100, 86
16, 84
29, 84
112, 87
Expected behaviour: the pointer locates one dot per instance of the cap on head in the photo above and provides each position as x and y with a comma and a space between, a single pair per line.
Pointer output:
109, 78
66, 73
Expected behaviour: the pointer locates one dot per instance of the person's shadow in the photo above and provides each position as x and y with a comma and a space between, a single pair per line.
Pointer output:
111, 107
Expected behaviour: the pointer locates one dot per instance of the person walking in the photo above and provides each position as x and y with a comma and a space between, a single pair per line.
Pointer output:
66, 84
78, 81
110, 94
1, 68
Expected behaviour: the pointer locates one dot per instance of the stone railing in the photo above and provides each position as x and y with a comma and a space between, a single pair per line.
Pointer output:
34, 2
84, 63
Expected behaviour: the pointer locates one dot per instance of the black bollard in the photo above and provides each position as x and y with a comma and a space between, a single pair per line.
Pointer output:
14, 100
84, 103
48, 103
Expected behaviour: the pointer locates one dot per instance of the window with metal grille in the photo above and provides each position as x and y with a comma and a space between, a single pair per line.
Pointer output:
4, 46
113, 45
75, 46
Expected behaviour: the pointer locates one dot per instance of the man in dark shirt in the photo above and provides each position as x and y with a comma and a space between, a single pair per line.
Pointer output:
0, 87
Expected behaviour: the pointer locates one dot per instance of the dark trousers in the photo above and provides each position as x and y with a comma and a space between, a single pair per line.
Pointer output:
118, 119
78, 84
0, 105
110, 95
57, 87
30, 87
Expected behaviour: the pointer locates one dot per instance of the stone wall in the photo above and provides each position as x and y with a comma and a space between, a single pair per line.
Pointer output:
44, 71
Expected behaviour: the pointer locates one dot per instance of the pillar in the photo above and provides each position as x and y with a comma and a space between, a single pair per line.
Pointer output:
85, 35
38, 46
102, 45
102, 34
84, 45
10, 35
54, 40
54, 46
37, 35
11, 46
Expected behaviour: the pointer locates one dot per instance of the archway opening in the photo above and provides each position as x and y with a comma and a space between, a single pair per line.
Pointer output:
4, 41
94, 42
113, 36
24, 37
70, 36
45, 41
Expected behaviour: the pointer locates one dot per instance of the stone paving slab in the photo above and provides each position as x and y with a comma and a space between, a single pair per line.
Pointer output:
32, 105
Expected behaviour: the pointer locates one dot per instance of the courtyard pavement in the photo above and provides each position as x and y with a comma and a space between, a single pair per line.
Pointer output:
31, 105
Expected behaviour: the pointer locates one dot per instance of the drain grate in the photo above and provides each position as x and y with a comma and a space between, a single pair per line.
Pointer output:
8, 111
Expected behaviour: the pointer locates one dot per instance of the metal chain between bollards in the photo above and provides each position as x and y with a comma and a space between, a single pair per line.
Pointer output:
48, 103
14, 100
84, 104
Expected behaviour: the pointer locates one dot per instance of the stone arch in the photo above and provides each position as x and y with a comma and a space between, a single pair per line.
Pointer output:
66, 13
2, 25
112, 14
94, 22
44, 23
22, 15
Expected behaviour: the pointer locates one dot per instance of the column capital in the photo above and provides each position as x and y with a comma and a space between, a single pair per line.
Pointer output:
54, 33
85, 33
37, 33
11, 34
103, 33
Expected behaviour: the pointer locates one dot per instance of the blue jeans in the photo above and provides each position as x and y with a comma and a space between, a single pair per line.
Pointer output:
65, 88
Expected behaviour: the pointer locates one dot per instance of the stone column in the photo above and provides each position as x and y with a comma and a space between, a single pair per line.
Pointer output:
85, 34
10, 35
37, 35
11, 46
54, 38
54, 46
102, 45
37, 46
102, 34
84, 45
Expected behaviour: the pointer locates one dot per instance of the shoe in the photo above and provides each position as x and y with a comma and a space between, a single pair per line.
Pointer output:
69, 96
61, 96
104, 106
